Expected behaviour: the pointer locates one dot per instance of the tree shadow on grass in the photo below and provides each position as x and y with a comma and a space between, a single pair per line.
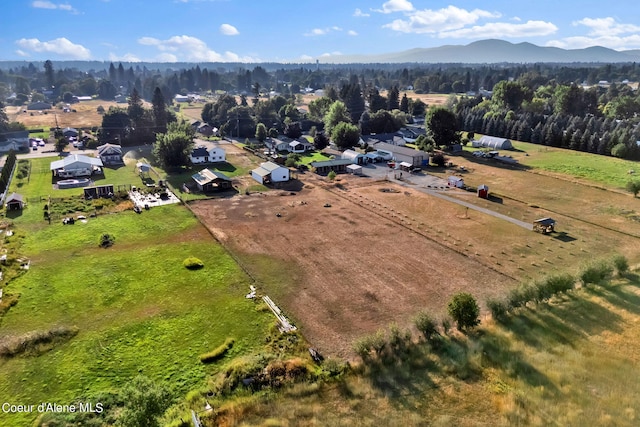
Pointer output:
620, 296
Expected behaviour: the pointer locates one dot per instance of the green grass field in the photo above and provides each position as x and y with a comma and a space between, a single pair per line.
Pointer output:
138, 310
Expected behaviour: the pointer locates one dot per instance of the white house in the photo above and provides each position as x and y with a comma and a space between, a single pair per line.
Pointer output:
299, 146
203, 155
181, 98
270, 172
276, 144
75, 165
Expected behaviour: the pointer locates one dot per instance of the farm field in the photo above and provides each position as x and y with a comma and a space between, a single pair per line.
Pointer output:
86, 115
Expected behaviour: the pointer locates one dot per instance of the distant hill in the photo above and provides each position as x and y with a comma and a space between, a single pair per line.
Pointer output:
494, 51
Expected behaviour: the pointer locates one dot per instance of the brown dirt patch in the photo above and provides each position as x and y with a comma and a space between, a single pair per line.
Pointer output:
343, 270
86, 115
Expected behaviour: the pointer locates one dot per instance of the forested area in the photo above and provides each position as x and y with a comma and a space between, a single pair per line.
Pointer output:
587, 107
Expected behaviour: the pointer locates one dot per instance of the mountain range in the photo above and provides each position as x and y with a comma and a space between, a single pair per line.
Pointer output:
493, 51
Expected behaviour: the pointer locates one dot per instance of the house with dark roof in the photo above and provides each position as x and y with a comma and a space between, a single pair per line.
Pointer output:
70, 132
110, 154
39, 106
203, 154
207, 181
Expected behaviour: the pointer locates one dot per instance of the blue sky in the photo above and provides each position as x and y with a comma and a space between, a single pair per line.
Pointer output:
297, 30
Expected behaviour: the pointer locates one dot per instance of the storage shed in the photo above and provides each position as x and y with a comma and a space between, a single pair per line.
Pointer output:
15, 202
354, 169
455, 181
270, 172
325, 166
355, 157
207, 180
483, 191
495, 143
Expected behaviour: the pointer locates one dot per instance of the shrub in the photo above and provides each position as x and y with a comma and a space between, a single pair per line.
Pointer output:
426, 325
106, 240
218, 352
378, 341
498, 308
464, 310
362, 346
620, 263
331, 175
193, 263
595, 272
560, 283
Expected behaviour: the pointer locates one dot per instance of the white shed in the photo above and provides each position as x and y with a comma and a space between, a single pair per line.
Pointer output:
354, 169
455, 181
270, 172
495, 143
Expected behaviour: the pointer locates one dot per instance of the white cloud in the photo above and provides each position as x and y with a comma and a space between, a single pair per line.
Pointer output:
45, 4
607, 27
166, 57
502, 29
360, 14
322, 31
352, 33
127, 57
327, 54
229, 30
22, 52
433, 21
306, 58
395, 6
606, 32
60, 46
191, 49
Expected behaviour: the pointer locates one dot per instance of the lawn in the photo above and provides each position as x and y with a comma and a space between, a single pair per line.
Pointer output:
137, 308
314, 156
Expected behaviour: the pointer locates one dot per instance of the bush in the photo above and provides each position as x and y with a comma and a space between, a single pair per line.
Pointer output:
106, 240
362, 346
498, 308
595, 273
560, 283
620, 263
331, 175
426, 325
218, 352
464, 310
193, 263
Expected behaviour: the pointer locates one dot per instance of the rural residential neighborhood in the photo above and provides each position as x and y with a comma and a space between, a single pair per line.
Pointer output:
363, 235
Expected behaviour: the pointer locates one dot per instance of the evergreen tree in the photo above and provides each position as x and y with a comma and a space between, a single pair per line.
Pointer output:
404, 104
393, 99
49, 75
159, 110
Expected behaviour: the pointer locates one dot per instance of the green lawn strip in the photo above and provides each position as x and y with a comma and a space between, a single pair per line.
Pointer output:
138, 310
314, 156
127, 227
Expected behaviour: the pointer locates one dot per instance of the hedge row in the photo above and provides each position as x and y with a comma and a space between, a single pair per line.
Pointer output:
596, 272
218, 352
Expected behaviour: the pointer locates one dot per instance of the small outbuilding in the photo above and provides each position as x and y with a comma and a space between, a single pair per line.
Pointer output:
355, 157
207, 180
494, 143
15, 202
354, 169
270, 172
483, 191
110, 154
544, 225
455, 181
70, 132
323, 167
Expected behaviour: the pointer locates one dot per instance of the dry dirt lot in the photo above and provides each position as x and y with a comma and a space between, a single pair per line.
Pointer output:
382, 252
344, 270
86, 115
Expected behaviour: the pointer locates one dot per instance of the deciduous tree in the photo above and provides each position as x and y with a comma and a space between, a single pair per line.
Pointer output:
464, 310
